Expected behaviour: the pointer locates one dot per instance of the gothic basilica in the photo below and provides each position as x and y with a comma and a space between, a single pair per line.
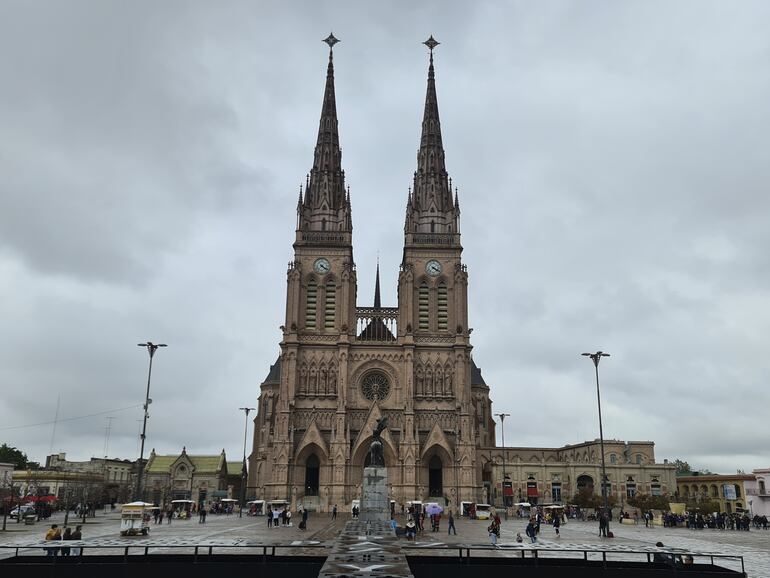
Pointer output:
343, 366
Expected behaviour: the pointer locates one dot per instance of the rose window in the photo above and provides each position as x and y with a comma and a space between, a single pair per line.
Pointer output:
375, 386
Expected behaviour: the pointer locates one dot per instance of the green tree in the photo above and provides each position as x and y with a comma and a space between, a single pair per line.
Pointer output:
12, 455
682, 467
646, 502
585, 498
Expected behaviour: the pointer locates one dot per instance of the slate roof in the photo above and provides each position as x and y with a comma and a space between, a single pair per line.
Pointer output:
274, 375
202, 464
476, 378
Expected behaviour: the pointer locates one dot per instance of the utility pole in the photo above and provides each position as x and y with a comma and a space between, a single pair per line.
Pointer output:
502, 417
596, 358
244, 471
151, 349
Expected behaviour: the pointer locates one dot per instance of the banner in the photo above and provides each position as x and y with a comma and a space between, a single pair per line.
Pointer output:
729, 490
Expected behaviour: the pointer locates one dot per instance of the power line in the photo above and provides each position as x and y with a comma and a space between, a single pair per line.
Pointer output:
69, 418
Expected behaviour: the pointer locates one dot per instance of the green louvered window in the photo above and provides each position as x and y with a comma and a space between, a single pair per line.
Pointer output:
312, 304
330, 307
424, 306
443, 310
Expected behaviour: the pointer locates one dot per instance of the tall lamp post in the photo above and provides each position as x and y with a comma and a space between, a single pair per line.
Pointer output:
244, 474
151, 349
596, 358
502, 417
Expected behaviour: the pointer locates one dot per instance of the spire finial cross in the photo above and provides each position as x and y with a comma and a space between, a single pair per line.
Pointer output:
431, 43
331, 41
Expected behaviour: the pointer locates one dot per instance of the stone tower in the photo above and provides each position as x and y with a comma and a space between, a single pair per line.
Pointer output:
342, 367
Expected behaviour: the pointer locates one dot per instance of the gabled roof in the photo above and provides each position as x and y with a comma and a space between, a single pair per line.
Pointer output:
476, 378
274, 375
203, 464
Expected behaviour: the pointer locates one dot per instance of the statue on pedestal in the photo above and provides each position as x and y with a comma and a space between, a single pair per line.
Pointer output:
376, 456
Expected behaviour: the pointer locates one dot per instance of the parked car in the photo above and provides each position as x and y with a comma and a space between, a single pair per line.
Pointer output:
24, 510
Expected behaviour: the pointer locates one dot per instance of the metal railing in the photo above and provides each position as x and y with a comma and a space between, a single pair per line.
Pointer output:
670, 556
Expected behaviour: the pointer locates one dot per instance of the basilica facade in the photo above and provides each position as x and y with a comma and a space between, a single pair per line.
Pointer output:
343, 366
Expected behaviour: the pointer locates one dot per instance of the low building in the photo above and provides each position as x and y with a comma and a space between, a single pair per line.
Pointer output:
758, 492
67, 486
729, 490
183, 476
554, 475
118, 475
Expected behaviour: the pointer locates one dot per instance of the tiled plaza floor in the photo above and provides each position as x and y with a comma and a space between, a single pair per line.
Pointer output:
754, 546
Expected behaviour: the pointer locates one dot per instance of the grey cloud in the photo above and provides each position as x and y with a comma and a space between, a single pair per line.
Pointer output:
612, 162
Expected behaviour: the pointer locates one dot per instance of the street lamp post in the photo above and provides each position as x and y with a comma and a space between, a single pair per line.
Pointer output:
151, 349
596, 357
244, 474
502, 417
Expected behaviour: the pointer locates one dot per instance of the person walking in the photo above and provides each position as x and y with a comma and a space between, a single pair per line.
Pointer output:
334, 512
269, 516
602, 525
451, 524
531, 531
494, 532
65, 551
303, 523
77, 535
53, 535
288, 518
557, 525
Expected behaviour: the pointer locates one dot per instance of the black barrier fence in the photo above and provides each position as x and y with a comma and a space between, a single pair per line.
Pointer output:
305, 560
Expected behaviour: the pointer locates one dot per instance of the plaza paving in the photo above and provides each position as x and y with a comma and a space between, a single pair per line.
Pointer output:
754, 546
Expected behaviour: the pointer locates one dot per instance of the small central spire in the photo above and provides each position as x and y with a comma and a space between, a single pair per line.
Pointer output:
377, 302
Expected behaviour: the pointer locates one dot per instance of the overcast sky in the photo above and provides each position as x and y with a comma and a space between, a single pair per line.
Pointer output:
613, 161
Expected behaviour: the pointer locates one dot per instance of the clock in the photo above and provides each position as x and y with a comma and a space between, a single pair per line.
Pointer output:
322, 266
433, 268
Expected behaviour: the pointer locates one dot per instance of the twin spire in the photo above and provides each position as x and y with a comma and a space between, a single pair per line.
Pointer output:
324, 206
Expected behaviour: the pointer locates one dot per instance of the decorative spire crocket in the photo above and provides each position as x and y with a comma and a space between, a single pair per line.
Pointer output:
326, 204
431, 207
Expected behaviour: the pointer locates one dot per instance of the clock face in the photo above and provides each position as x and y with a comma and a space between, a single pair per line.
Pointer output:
433, 268
322, 266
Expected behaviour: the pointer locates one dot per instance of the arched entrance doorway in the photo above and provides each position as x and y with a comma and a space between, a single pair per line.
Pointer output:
312, 475
586, 483
435, 477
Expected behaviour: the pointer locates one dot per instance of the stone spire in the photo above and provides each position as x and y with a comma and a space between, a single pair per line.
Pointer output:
326, 205
377, 302
431, 208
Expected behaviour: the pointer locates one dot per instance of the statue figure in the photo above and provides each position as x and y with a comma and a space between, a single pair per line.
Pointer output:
376, 456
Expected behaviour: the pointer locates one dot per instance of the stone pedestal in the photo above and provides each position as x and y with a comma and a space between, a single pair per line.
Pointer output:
375, 505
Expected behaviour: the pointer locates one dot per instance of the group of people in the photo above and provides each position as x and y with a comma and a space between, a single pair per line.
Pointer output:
698, 521
277, 517
54, 534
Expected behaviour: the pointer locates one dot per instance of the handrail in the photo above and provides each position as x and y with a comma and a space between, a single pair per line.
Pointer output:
536, 551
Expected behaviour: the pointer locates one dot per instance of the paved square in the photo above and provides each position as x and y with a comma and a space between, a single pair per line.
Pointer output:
754, 545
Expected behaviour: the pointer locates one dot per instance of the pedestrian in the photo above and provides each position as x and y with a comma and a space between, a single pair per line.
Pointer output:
494, 532
556, 525
304, 518
288, 518
269, 516
203, 515
65, 551
52, 535
155, 514
77, 535
276, 517
531, 531
603, 525
451, 524
334, 512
